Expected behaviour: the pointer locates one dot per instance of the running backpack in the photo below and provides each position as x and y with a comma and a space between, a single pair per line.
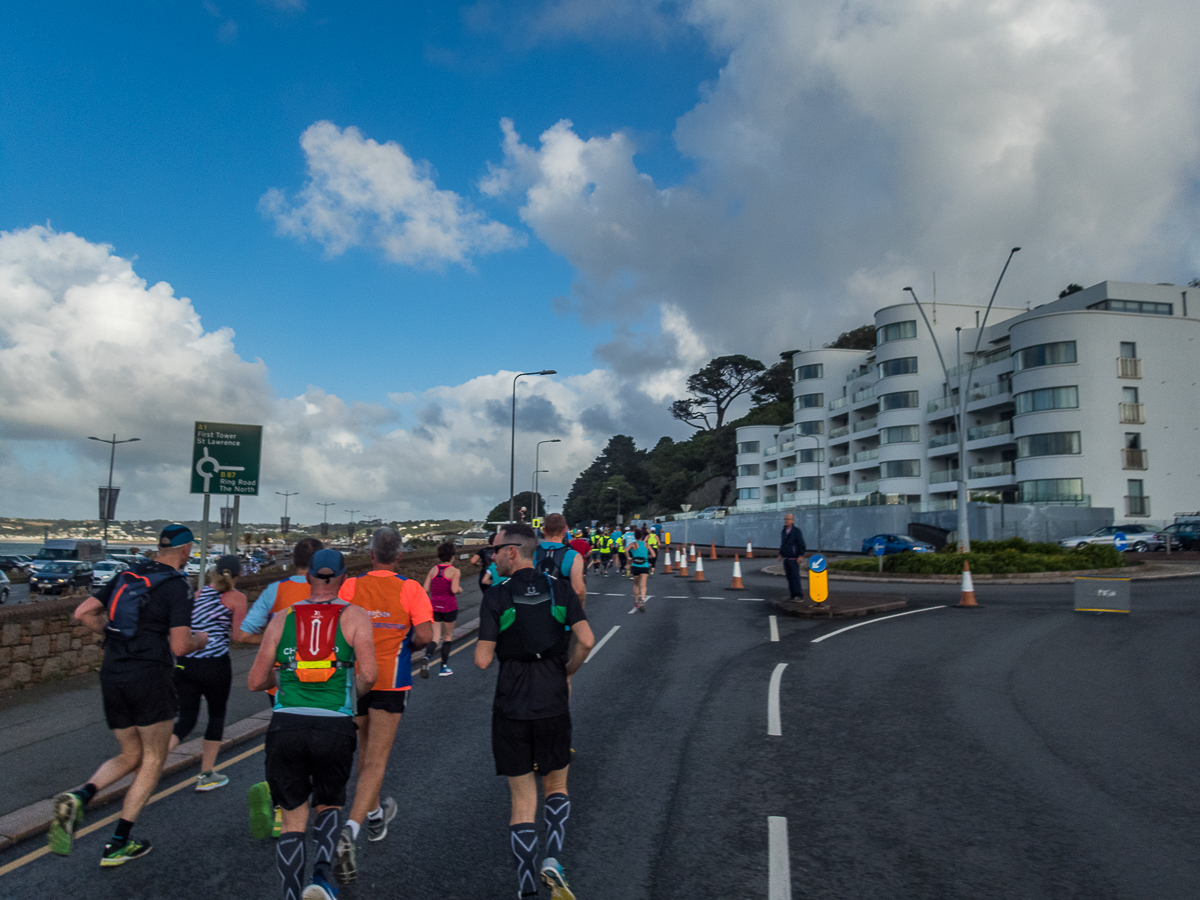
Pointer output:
556, 562
315, 659
130, 592
532, 624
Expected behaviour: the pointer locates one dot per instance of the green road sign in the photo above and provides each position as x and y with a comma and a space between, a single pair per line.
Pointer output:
225, 458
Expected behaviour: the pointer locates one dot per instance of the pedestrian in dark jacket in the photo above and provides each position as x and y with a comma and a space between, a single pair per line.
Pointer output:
791, 551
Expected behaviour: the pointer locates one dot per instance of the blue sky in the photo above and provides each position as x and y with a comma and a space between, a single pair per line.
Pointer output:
353, 223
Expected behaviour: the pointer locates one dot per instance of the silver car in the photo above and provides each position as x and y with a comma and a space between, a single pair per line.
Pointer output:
106, 570
1138, 538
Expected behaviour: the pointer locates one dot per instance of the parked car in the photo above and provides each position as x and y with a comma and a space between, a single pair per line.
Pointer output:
11, 563
106, 570
5, 587
895, 543
59, 576
1140, 538
1184, 535
711, 512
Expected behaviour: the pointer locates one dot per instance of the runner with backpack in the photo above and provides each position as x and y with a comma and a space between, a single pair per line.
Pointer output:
145, 615
526, 622
554, 556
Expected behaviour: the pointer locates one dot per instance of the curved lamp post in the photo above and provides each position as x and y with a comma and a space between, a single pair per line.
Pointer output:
512, 450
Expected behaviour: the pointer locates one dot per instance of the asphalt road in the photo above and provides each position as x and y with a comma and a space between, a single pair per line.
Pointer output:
1021, 750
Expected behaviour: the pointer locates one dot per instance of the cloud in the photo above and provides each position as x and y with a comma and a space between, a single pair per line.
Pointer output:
361, 193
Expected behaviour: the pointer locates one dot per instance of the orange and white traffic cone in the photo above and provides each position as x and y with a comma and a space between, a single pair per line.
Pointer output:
667, 569
749, 551
737, 575
712, 553
680, 565
967, 597
699, 569
691, 553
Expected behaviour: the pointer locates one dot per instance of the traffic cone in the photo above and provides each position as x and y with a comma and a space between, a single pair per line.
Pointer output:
737, 575
699, 569
691, 553
749, 551
681, 565
667, 570
967, 597
712, 553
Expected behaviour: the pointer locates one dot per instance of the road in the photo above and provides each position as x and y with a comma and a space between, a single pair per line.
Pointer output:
1021, 750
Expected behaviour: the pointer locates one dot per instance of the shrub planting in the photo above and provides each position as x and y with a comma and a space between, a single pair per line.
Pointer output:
1007, 557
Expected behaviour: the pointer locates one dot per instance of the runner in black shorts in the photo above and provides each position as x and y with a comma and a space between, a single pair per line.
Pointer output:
136, 682
531, 718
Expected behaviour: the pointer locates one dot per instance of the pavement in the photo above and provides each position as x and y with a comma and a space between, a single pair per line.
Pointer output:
1020, 750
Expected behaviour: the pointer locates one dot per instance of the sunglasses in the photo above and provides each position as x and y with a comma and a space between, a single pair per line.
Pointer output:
496, 547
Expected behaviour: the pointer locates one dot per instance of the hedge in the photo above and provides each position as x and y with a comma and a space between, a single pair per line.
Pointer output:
1006, 557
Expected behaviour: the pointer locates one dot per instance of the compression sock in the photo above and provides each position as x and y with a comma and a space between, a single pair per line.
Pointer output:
431, 650
86, 793
289, 857
121, 835
325, 829
556, 812
523, 840
446, 653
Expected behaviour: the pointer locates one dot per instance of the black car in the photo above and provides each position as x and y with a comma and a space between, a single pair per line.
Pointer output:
11, 563
60, 576
5, 587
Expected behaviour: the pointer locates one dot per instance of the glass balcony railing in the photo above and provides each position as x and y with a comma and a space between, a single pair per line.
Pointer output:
982, 392
990, 470
839, 461
839, 432
789, 472
770, 451
839, 490
866, 487
982, 360
943, 477
787, 446
987, 431
839, 403
864, 394
941, 403
769, 476
866, 455
865, 425
942, 440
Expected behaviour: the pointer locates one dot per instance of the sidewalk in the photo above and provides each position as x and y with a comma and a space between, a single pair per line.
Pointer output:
1145, 572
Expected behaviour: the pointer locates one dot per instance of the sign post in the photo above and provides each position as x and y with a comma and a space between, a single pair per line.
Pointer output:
879, 548
818, 578
225, 460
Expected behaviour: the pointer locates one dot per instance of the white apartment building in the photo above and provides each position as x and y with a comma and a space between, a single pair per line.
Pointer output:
1090, 400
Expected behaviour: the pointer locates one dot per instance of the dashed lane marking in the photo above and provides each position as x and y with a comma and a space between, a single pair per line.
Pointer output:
779, 866
873, 621
774, 723
616, 595
774, 630
603, 641
647, 600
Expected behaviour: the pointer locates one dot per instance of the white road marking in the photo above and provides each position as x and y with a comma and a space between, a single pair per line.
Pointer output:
779, 866
774, 723
774, 630
676, 598
602, 642
712, 598
647, 600
873, 621
616, 595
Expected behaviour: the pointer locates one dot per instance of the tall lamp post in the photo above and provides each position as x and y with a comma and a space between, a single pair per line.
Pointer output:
964, 534
534, 485
617, 488
537, 462
109, 504
512, 448
285, 523
817, 444
325, 518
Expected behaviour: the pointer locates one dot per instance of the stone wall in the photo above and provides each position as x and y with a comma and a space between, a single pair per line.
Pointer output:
41, 642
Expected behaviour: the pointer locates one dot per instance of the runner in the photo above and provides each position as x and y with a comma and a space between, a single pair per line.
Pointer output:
483, 559
639, 568
145, 615
402, 618
652, 545
606, 551
618, 550
323, 650
443, 590
208, 673
569, 560
526, 622
597, 542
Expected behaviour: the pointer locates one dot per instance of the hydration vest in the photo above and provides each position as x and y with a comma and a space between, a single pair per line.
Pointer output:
532, 623
555, 560
317, 629
128, 597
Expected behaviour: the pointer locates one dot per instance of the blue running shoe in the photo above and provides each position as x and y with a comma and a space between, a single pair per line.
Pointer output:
320, 888
552, 877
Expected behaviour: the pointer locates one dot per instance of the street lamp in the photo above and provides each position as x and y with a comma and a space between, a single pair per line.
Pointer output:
536, 462
325, 518
964, 534
109, 504
533, 485
816, 459
617, 488
512, 449
285, 523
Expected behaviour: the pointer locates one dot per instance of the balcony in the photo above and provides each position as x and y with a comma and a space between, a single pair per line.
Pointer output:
987, 431
787, 446
1132, 413
770, 476
864, 394
1129, 368
789, 472
839, 461
941, 403
943, 440
992, 389
858, 373
943, 477
982, 359
1135, 459
867, 487
839, 403
1137, 506
866, 455
866, 425
990, 470
839, 432
839, 490
770, 451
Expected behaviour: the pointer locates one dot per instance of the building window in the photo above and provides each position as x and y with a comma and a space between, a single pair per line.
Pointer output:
748, 447
898, 400
1053, 443
1128, 350
807, 373
748, 470
810, 483
1057, 354
1050, 490
1136, 501
1129, 395
897, 331
1136, 306
810, 401
900, 468
905, 365
747, 493
900, 434
1133, 440
817, 427
1047, 398
811, 455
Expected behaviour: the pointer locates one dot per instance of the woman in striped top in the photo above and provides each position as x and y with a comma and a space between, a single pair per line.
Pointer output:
208, 673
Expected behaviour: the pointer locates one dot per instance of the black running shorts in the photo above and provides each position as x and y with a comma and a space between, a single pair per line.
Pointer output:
520, 745
309, 760
388, 701
451, 616
639, 570
152, 698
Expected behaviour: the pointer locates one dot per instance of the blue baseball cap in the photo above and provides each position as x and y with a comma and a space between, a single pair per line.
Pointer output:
175, 536
327, 564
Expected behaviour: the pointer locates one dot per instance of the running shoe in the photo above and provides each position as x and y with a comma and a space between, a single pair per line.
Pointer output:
259, 799
118, 854
320, 888
425, 666
377, 828
68, 815
345, 858
553, 878
446, 670
210, 781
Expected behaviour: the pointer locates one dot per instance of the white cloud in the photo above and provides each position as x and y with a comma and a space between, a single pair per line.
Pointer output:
363, 193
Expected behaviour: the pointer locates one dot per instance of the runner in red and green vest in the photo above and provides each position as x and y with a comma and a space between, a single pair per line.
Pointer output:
322, 654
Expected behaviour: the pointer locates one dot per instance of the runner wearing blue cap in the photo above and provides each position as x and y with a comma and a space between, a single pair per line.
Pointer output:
145, 615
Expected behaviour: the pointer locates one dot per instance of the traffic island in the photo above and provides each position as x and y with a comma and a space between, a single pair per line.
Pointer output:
843, 606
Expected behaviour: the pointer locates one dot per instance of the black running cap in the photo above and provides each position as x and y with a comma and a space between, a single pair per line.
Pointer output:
175, 536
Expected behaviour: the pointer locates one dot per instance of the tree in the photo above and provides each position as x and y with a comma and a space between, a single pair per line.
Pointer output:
1195, 282
860, 338
775, 384
714, 388
499, 512
1070, 289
